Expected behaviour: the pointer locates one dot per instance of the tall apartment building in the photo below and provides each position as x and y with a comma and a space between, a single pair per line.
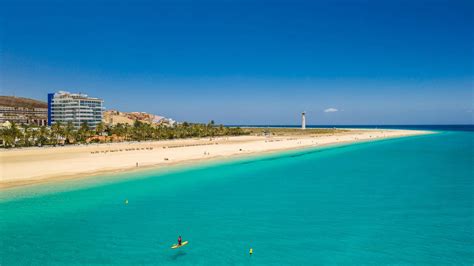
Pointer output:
77, 108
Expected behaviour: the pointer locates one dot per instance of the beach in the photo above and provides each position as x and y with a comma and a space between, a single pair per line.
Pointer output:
28, 166
401, 200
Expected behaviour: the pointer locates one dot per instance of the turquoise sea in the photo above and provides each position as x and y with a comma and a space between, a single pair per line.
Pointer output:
401, 201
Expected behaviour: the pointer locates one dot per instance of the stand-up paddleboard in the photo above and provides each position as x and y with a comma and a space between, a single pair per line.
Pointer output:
178, 246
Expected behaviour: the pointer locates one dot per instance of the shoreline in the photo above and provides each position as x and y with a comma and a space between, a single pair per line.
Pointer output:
21, 167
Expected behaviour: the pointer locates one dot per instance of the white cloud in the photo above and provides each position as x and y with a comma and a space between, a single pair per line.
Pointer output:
331, 110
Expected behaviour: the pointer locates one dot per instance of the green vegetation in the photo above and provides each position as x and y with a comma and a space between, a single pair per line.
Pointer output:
60, 134
63, 134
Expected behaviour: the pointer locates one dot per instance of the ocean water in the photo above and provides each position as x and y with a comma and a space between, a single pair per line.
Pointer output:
401, 201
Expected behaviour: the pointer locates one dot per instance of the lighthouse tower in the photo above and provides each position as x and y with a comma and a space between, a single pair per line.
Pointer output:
303, 120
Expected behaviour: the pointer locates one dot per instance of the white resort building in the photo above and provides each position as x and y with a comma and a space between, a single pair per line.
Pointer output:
77, 108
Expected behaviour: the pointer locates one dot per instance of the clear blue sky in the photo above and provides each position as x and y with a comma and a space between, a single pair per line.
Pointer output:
248, 62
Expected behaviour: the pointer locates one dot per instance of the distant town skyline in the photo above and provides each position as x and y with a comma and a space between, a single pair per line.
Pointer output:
243, 62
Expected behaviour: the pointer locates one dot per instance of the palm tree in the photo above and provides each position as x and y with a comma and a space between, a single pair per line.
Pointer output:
25, 136
84, 131
56, 132
43, 136
127, 132
34, 136
137, 130
100, 128
69, 132
10, 135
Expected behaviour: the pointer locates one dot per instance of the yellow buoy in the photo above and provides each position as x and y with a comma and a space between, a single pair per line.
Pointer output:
251, 251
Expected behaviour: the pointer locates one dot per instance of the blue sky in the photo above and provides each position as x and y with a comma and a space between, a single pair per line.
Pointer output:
248, 62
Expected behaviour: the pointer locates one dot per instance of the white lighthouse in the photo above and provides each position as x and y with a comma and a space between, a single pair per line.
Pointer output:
303, 120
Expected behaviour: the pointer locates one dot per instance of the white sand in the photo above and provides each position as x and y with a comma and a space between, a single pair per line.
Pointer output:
34, 165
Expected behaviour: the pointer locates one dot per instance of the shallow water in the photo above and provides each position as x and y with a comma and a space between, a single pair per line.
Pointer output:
400, 201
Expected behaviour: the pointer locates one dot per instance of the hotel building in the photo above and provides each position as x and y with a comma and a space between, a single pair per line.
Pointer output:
67, 107
23, 115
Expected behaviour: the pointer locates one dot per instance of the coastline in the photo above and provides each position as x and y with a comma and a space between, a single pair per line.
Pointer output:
30, 166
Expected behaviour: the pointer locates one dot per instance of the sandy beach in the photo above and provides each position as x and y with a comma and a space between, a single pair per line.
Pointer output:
35, 165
